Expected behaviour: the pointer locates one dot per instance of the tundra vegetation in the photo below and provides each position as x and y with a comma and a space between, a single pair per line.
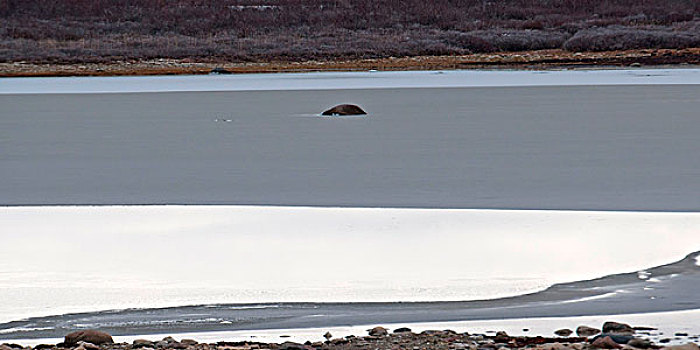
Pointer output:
102, 31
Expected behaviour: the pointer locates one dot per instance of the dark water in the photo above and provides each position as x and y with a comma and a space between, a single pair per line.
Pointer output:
575, 147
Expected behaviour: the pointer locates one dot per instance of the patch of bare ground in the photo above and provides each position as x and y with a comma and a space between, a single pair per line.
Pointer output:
540, 59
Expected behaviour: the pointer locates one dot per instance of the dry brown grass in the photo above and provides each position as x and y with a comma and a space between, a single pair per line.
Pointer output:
542, 59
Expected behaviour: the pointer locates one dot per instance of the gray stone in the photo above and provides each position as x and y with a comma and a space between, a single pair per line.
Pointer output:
288, 345
142, 343
585, 331
618, 338
88, 346
605, 343
689, 346
378, 332
402, 330
640, 343
617, 328
565, 332
89, 336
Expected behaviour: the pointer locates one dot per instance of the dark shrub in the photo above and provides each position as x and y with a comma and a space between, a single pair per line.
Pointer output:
673, 17
620, 38
532, 24
524, 40
470, 43
75, 30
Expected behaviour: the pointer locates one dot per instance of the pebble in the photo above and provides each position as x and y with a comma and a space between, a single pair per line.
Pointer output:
142, 342
688, 346
88, 346
640, 343
565, 332
585, 331
378, 331
288, 345
605, 343
617, 328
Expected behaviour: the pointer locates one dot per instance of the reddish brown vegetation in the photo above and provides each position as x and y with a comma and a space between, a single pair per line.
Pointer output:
544, 59
291, 30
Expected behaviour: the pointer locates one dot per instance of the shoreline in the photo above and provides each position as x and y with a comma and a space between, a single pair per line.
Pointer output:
527, 60
655, 330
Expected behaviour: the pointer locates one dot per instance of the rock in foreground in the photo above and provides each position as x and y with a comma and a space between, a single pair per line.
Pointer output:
379, 338
345, 109
605, 343
378, 331
585, 331
89, 336
565, 332
617, 328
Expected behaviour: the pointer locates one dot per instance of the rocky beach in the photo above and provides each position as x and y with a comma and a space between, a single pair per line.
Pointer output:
612, 335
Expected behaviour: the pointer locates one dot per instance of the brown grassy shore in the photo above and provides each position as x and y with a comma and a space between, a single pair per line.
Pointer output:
539, 59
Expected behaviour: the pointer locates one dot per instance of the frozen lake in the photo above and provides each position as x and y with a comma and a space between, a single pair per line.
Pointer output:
591, 172
456, 141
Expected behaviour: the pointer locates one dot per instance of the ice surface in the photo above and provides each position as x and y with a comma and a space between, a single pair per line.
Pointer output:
348, 80
184, 255
572, 147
